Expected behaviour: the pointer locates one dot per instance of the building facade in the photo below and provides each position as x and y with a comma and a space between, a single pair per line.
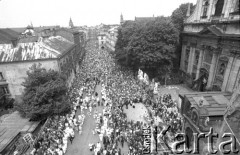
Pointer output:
111, 38
55, 53
210, 57
203, 111
102, 40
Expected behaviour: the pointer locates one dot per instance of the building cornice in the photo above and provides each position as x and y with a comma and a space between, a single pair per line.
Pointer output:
27, 61
213, 22
196, 34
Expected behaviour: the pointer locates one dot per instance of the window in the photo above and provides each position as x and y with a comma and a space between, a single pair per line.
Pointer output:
219, 7
222, 65
197, 53
1, 76
205, 9
236, 9
208, 57
4, 90
221, 68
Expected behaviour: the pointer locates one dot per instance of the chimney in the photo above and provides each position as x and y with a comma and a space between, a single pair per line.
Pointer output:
188, 10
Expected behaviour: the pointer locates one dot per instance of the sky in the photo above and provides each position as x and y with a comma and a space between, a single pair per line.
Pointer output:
20, 13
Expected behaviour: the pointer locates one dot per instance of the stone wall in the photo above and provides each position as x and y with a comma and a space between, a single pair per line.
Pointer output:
15, 72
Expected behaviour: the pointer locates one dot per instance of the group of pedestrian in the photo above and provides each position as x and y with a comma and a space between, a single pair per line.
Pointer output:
120, 89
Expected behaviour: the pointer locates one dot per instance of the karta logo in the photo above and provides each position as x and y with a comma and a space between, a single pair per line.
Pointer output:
180, 145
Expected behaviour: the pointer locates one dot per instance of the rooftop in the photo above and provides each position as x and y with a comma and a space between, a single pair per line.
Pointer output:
52, 47
11, 126
214, 103
144, 19
7, 35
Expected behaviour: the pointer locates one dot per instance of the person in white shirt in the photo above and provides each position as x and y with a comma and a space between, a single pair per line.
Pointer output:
98, 146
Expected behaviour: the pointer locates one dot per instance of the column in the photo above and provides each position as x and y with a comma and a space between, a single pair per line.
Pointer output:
183, 57
234, 72
199, 63
212, 69
227, 73
189, 60
192, 59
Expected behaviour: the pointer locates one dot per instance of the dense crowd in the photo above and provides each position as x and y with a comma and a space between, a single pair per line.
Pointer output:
119, 89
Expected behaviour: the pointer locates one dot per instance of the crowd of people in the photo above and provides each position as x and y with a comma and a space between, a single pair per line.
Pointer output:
119, 89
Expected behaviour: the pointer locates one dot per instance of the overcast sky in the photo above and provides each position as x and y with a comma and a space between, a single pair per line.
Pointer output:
20, 13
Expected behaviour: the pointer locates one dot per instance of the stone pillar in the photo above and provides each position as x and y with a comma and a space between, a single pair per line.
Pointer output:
183, 57
227, 73
212, 69
192, 59
199, 63
189, 61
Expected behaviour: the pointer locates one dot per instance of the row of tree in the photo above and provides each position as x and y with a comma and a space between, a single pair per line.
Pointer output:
153, 46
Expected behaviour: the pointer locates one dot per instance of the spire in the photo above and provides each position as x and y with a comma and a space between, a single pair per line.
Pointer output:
71, 23
121, 19
188, 10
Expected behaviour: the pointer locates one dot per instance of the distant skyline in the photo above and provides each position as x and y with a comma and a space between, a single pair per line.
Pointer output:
20, 13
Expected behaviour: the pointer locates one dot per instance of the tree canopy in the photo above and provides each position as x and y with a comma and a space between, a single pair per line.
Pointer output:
45, 94
179, 14
149, 45
177, 17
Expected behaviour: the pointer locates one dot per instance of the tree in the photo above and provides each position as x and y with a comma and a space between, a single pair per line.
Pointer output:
148, 46
177, 18
45, 94
179, 15
124, 36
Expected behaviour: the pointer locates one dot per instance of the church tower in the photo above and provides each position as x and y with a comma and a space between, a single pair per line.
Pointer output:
121, 19
71, 23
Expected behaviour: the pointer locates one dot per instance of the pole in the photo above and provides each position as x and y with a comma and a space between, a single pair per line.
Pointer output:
165, 80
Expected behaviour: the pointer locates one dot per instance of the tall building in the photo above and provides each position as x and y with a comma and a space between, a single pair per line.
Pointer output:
121, 19
71, 23
210, 58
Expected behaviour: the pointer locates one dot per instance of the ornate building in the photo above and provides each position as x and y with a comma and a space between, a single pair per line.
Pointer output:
111, 38
210, 57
